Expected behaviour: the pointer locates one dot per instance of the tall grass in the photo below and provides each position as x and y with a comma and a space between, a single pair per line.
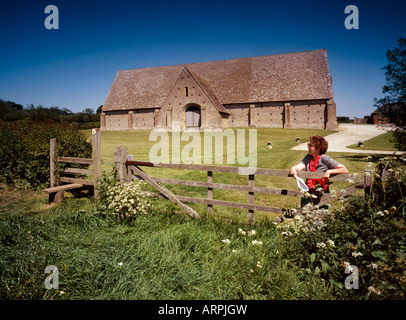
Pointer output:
158, 256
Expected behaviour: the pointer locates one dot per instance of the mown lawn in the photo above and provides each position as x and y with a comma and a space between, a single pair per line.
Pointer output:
383, 142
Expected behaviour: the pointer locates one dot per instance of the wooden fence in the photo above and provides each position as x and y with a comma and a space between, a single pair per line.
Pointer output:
68, 179
128, 169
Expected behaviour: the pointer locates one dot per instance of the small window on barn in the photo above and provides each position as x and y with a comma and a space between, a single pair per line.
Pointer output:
186, 92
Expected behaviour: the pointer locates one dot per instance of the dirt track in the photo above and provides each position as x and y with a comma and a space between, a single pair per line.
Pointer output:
349, 134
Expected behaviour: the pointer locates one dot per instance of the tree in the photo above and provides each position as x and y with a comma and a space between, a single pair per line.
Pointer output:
88, 111
393, 105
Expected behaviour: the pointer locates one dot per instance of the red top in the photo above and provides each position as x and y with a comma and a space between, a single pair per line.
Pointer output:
311, 183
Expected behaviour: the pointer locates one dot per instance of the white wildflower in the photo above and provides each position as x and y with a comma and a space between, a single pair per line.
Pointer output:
251, 233
120, 264
259, 264
380, 213
258, 243
331, 243
241, 231
226, 241
371, 289
320, 245
357, 254
374, 265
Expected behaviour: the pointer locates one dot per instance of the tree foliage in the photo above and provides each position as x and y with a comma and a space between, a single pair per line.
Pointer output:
11, 111
24, 150
392, 106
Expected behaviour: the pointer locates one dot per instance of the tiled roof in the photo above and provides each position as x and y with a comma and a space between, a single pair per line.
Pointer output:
205, 85
282, 77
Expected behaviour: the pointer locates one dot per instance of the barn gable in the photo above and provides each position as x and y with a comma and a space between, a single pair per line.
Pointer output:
192, 103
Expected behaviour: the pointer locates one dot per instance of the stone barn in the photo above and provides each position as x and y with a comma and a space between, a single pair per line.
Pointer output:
277, 91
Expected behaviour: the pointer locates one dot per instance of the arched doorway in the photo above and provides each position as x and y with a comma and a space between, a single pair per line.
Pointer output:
193, 117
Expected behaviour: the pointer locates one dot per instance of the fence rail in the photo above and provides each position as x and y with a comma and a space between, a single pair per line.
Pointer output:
130, 169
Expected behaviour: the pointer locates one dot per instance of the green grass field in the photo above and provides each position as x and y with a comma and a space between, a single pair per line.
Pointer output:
382, 142
279, 157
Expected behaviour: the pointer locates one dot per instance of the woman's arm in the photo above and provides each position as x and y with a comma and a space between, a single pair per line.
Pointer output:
299, 167
339, 169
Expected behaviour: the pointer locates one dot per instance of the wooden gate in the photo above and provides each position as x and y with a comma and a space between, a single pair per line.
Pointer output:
130, 169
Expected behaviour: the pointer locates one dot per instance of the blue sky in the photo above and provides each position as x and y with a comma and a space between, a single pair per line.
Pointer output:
74, 67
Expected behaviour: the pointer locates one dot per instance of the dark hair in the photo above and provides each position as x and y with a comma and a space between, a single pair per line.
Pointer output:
319, 143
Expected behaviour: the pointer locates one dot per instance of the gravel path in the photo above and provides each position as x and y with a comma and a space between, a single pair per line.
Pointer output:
349, 134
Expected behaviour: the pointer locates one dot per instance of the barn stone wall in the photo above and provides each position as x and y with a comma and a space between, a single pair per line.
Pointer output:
137, 119
311, 114
306, 115
270, 115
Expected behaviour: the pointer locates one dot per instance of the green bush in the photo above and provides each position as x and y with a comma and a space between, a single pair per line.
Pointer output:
24, 149
390, 184
368, 233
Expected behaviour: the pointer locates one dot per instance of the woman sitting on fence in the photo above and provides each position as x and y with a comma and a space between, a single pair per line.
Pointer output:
317, 160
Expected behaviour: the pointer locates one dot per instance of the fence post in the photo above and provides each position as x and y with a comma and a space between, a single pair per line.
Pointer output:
368, 180
52, 162
210, 191
53, 176
120, 157
251, 197
97, 169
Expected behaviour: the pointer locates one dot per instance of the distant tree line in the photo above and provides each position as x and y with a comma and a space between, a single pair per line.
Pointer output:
11, 111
